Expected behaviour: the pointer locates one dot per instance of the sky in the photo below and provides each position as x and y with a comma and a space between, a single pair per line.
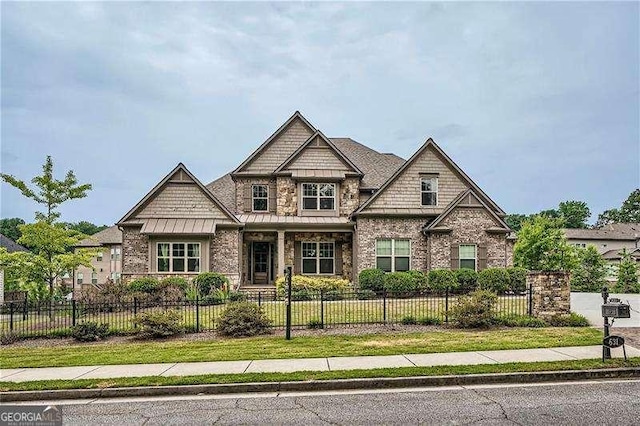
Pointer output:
538, 102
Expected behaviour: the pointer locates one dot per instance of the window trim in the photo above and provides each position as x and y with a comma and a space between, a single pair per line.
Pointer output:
318, 197
171, 257
80, 277
475, 258
99, 256
318, 257
393, 255
254, 198
94, 277
423, 192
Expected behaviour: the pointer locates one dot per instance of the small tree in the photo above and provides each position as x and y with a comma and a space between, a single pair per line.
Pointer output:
542, 246
589, 272
627, 275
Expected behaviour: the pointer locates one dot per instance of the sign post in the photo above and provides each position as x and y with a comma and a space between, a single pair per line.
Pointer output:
606, 351
612, 308
287, 278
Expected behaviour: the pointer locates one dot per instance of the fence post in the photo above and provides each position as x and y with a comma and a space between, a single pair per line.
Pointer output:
384, 306
73, 312
322, 309
530, 299
25, 308
135, 310
446, 305
197, 314
259, 298
287, 274
11, 316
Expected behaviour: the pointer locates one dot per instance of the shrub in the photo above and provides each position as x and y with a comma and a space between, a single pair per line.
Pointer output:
144, 285
571, 320
520, 321
109, 294
177, 282
429, 321
237, 296
441, 279
315, 324
159, 324
366, 294
206, 282
312, 284
408, 320
371, 279
420, 279
333, 295
494, 279
212, 299
467, 280
517, 280
301, 295
90, 331
9, 338
400, 284
474, 310
243, 319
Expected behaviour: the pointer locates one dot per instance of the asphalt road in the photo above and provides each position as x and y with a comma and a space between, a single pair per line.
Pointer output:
576, 403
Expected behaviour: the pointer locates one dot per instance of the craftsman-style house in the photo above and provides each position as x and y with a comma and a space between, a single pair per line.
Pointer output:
327, 206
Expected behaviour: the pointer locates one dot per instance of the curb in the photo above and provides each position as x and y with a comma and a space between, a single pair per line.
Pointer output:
323, 385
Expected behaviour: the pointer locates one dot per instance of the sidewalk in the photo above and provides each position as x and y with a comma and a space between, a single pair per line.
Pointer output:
309, 364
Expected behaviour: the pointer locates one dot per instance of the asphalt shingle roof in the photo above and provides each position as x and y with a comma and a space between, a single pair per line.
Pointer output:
614, 231
11, 245
111, 235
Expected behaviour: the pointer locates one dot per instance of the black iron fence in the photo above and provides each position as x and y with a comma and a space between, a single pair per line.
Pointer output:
308, 310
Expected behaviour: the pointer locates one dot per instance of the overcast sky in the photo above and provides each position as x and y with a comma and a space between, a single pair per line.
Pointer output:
537, 102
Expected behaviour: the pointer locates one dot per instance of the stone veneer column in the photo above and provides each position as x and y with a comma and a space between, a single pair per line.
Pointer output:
550, 293
280, 265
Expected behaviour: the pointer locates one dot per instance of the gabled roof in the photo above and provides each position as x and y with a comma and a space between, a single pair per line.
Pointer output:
11, 245
111, 235
613, 231
180, 170
265, 144
468, 198
312, 138
448, 161
617, 254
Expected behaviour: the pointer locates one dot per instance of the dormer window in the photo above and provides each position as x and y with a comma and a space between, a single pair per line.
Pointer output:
429, 191
260, 198
318, 196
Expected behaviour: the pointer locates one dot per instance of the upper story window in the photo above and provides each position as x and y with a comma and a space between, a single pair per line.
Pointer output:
318, 196
80, 277
178, 257
429, 191
393, 255
468, 256
115, 253
260, 198
99, 256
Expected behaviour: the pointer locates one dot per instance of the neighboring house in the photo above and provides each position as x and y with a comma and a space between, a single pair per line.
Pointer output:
11, 246
612, 241
107, 264
326, 206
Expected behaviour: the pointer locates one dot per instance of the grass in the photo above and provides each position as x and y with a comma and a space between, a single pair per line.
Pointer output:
323, 375
272, 347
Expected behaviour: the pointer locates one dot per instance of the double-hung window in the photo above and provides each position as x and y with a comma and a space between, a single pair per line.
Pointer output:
318, 196
178, 257
260, 198
99, 256
468, 256
80, 277
318, 258
429, 190
393, 255
94, 278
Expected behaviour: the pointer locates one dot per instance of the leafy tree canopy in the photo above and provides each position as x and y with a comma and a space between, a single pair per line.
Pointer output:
84, 227
590, 271
628, 212
542, 246
574, 213
628, 280
9, 227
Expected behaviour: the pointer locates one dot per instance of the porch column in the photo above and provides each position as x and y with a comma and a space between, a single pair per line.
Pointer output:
280, 271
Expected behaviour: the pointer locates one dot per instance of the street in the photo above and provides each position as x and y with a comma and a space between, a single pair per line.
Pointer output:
576, 403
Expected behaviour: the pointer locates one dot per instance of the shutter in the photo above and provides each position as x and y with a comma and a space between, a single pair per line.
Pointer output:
482, 258
272, 197
338, 261
247, 197
455, 257
297, 258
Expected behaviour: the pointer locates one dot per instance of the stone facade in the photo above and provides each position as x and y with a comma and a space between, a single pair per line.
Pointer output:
287, 197
135, 253
551, 293
224, 255
349, 198
243, 191
344, 239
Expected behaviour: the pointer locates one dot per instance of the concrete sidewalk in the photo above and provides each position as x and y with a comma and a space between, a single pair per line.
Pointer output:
309, 364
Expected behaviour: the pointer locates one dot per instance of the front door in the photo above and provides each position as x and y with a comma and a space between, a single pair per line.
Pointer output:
261, 263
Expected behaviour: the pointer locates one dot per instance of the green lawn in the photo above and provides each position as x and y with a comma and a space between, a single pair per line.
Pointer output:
320, 375
299, 347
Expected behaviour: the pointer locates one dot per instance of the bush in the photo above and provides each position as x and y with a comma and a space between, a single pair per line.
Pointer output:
301, 295
474, 310
517, 280
400, 284
9, 338
429, 321
366, 294
408, 320
312, 284
520, 321
159, 324
146, 285
467, 280
212, 299
206, 282
90, 331
333, 295
111, 293
371, 279
441, 279
315, 324
243, 319
420, 279
496, 280
237, 296
177, 282
571, 320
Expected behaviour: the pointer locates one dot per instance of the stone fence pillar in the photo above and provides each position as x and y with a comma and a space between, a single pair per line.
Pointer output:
550, 293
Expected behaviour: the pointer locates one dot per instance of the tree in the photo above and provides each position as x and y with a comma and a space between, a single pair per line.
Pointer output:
574, 213
627, 275
9, 227
590, 271
628, 212
84, 227
542, 246
50, 191
515, 220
